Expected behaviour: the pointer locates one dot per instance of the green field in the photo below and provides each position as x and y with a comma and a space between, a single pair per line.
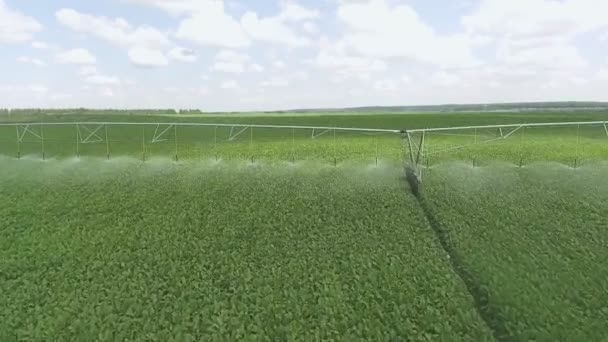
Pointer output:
278, 236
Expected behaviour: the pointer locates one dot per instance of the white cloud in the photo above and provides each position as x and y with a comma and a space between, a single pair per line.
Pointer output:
102, 79
75, 56
272, 30
445, 79
147, 57
293, 12
88, 71
537, 18
182, 55
208, 24
16, 27
40, 45
230, 84
35, 89
256, 68
279, 64
276, 29
106, 92
386, 85
301, 75
116, 31
543, 56
342, 62
230, 62
30, 60
603, 74
275, 82
310, 27
377, 29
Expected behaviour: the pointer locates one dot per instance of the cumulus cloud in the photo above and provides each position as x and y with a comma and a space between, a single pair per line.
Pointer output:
229, 84
256, 68
380, 30
39, 45
276, 29
275, 82
147, 57
117, 31
75, 56
537, 18
233, 62
102, 79
15, 27
143, 42
30, 60
182, 55
209, 24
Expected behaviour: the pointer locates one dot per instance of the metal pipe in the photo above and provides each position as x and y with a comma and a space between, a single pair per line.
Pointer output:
353, 129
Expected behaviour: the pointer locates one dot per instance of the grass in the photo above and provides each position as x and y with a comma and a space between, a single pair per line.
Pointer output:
284, 237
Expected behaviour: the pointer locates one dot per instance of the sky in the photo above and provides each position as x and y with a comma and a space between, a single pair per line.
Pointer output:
233, 55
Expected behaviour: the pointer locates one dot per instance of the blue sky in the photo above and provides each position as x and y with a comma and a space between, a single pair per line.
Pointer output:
278, 54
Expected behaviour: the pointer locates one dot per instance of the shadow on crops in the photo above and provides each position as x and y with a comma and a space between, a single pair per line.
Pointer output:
488, 312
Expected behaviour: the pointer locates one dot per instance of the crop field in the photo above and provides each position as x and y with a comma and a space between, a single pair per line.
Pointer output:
285, 234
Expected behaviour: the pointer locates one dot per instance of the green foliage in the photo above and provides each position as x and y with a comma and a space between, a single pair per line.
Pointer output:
536, 238
122, 250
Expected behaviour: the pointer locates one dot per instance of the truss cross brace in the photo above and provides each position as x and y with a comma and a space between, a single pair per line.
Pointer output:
26, 129
316, 135
158, 136
233, 135
91, 133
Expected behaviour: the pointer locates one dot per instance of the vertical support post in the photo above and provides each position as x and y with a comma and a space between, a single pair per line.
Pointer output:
376, 138
42, 140
293, 145
176, 150
335, 155
521, 146
411, 148
107, 142
143, 143
578, 141
606, 128
18, 143
77, 141
215, 142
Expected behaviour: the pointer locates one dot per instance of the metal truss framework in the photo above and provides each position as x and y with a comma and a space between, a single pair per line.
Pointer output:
417, 146
97, 132
415, 139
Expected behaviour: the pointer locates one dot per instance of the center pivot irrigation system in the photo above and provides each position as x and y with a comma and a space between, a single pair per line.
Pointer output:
415, 140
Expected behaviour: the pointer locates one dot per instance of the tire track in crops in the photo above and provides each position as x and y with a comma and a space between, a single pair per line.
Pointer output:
486, 310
